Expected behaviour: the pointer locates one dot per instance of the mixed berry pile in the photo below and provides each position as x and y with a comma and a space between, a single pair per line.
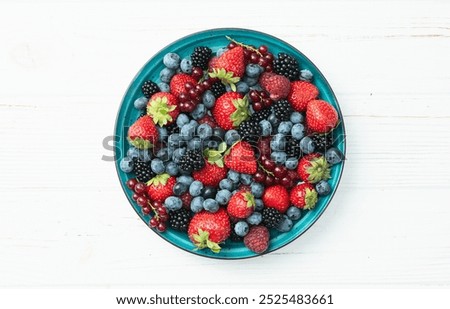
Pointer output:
229, 145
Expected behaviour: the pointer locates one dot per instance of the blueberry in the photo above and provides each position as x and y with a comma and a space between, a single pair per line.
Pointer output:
204, 131
278, 142
162, 133
157, 166
179, 188
173, 203
226, 184
242, 87
246, 179
166, 75
126, 164
253, 70
323, 187
259, 205
296, 117
251, 81
186, 66
223, 197
266, 127
145, 155
257, 189
133, 153
291, 163
208, 99
196, 187
199, 111
174, 140
307, 145
220, 51
306, 75
164, 87
185, 179
177, 154
164, 154
197, 204
334, 156
255, 218
231, 137
195, 143
171, 61
211, 144
209, 192
187, 132
298, 131
279, 157
141, 103
219, 132
294, 213
233, 176
182, 120
172, 168
285, 127
211, 205
285, 224
241, 228
273, 120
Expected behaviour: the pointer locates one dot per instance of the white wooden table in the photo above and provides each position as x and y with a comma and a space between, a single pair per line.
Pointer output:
64, 220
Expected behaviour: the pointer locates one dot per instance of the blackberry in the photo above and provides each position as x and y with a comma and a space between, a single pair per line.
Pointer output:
322, 141
192, 161
172, 128
261, 115
218, 89
200, 57
271, 217
250, 131
149, 88
287, 66
179, 219
292, 148
282, 110
143, 171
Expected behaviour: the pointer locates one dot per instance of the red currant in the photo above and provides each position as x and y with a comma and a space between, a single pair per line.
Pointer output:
131, 183
139, 188
161, 227
206, 84
254, 58
259, 176
263, 49
257, 106
188, 86
279, 171
146, 210
135, 196
231, 45
254, 96
183, 97
153, 222
142, 201
269, 165
269, 181
268, 57
197, 73
268, 68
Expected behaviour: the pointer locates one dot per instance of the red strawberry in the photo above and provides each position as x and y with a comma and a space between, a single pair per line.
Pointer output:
211, 174
301, 93
209, 120
241, 158
163, 108
313, 168
241, 205
257, 239
178, 82
160, 187
276, 197
321, 117
143, 133
207, 230
230, 110
277, 86
304, 196
229, 67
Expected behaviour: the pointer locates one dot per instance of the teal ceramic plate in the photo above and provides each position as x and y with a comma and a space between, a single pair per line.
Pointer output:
216, 39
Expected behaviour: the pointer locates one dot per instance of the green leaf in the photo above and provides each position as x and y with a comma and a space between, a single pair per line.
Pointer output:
159, 180
140, 143
318, 170
159, 110
222, 147
310, 199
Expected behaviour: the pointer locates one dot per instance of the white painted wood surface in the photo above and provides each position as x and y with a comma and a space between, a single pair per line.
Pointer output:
64, 220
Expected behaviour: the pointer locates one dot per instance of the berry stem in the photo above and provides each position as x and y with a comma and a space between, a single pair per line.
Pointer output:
265, 170
245, 46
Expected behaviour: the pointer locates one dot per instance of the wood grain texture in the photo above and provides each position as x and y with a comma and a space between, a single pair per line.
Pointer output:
64, 66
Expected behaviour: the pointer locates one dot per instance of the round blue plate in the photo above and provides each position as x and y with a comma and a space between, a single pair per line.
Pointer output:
216, 39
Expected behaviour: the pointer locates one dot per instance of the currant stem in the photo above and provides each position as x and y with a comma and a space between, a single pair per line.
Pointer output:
245, 46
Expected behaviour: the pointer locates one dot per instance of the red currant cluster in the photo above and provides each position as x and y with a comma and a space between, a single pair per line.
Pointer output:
160, 215
260, 99
260, 55
193, 95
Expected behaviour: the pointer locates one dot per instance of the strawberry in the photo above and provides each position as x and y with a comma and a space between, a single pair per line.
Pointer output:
143, 133
241, 204
160, 187
178, 82
207, 230
257, 239
304, 196
321, 117
301, 93
277, 86
211, 174
313, 168
230, 110
163, 108
241, 158
229, 67
276, 197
